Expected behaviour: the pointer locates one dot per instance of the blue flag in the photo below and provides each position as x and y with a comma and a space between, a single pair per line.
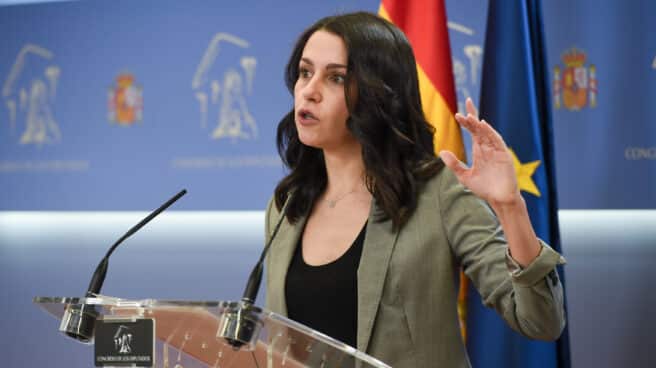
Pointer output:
515, 100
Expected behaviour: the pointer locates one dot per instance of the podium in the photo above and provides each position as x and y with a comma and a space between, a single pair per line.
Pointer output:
194, 334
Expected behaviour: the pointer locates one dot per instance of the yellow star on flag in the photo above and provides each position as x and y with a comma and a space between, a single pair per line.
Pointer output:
524, 173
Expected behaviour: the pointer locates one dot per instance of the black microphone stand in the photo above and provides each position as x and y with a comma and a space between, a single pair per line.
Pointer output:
79, 320
240, 325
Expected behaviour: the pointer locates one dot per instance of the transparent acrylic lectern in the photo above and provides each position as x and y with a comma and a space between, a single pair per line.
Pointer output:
191, 334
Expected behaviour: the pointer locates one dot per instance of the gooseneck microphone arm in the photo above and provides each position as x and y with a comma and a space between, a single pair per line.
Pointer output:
79, 320
255, 279
99, 275
240, 323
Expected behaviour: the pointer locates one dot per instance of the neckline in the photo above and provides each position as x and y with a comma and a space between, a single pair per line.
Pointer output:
358, 242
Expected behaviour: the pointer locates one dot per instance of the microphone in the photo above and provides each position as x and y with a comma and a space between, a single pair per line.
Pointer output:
240, 325
78, 321
254, 280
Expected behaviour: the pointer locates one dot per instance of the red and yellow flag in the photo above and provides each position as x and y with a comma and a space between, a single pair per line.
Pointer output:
424, 23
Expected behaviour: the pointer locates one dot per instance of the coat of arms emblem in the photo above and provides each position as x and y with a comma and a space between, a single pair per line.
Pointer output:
575, 86
125, 101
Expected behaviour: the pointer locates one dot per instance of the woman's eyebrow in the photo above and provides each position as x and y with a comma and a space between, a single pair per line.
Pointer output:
329, 66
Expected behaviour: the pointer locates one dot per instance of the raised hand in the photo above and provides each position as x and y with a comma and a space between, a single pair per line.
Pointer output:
492, 174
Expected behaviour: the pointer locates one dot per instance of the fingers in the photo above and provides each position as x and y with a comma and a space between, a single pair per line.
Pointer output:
480, 130
469, 122
490, 135
452, 162
471, 109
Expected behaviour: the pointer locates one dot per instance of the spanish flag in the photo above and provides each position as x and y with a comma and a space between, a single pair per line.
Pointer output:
424, 23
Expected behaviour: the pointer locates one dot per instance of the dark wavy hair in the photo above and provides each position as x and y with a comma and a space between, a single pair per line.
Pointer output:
386, 117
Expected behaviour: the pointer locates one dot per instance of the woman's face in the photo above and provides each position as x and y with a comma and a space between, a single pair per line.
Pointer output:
319, 102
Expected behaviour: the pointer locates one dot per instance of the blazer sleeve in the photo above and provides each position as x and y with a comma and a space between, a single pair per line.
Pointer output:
529, 300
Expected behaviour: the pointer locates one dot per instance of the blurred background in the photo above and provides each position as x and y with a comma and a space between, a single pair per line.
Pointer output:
108, 108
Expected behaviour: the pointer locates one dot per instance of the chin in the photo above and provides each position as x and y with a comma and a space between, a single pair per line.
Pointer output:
310, 143
307, 139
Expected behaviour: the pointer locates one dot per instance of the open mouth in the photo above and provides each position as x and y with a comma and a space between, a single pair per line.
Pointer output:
306, 115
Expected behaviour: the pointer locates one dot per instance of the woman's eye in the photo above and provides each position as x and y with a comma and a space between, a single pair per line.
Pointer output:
304, 73
338, 78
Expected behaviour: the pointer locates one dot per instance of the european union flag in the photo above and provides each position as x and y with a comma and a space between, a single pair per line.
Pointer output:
515, 100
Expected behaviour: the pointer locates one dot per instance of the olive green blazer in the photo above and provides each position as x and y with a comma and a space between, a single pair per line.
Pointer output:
408, 279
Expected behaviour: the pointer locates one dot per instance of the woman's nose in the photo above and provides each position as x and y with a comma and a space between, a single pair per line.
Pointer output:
312, 90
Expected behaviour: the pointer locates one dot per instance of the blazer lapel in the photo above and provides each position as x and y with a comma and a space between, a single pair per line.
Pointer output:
284, 245
377, 250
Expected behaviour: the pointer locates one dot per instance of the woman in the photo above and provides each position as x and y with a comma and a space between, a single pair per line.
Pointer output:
376, 227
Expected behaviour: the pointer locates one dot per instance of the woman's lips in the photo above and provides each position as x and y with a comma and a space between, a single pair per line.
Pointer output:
306, 117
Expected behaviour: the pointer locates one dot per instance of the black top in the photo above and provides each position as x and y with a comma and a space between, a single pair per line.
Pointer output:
325, 297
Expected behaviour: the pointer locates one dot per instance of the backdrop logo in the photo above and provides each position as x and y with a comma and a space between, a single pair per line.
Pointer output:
577, 85
466, 71
221, 86
29, 94
125, 101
